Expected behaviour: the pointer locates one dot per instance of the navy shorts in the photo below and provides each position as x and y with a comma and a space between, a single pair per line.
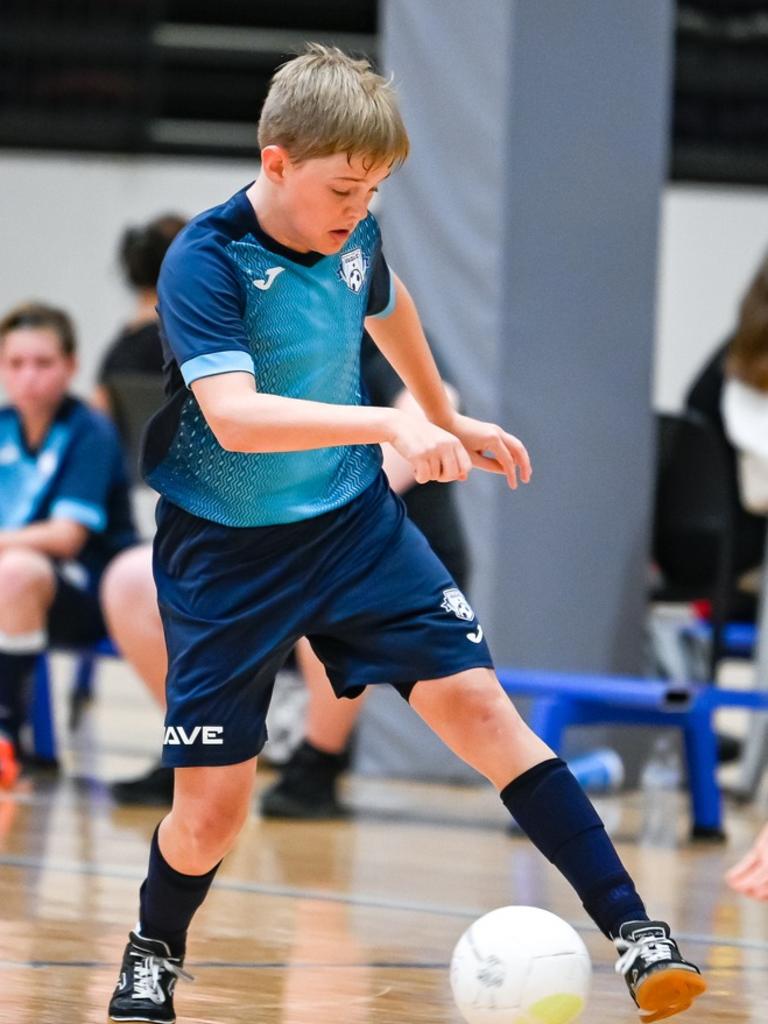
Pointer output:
361, 583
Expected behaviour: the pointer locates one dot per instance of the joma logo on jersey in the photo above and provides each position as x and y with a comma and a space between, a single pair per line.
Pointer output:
177, 735
354, 267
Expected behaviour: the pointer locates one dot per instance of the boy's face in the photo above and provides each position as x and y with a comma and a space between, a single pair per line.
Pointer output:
34, 370
324, 199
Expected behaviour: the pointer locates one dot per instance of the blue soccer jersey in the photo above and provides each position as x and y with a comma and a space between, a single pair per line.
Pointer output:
233, 299
77, 473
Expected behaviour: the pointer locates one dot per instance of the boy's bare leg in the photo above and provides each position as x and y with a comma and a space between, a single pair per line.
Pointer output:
210, 806
475, 718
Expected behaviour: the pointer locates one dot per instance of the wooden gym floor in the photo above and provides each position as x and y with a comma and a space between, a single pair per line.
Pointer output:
344, 923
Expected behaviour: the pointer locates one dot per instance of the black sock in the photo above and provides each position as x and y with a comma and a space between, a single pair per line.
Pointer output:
169, 899
551, 807
14, 671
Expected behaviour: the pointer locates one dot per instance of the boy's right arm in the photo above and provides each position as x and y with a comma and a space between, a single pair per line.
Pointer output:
245, 420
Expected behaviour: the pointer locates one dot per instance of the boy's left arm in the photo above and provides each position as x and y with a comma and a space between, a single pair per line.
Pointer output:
401, 339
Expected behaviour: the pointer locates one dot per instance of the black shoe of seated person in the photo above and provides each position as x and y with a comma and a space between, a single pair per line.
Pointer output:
306, 788
155, 788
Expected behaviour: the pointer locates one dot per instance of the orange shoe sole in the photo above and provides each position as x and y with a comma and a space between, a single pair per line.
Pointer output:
668, 992
9, 766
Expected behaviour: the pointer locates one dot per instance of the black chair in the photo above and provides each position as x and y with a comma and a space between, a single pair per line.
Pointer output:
135, 397
693, 525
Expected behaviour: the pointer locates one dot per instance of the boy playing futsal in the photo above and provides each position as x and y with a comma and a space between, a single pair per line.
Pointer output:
275, 522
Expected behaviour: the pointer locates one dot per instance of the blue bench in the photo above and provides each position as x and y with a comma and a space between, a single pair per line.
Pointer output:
739, 639
43, 729
561, 700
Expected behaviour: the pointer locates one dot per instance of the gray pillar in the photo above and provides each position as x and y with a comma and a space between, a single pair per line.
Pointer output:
526, 223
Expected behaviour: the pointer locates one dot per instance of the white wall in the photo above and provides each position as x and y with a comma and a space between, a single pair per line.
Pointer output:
711, 242
61, 219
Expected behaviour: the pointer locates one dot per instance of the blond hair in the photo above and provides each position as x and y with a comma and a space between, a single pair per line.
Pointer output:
747, 358
324, 102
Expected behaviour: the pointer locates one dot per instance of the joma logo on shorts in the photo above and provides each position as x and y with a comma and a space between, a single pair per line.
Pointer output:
176, 735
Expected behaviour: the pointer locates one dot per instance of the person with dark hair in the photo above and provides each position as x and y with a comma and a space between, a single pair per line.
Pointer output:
64, 508
137, 348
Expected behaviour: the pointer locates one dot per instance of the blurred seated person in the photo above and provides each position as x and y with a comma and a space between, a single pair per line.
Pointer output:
745, 413
706, 397
137, 348
307, 787
64, 509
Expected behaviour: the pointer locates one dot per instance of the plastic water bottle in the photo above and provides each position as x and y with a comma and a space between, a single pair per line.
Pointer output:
659, 782
599, 771
662, 770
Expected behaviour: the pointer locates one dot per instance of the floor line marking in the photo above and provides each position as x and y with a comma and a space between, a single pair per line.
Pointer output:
323, 896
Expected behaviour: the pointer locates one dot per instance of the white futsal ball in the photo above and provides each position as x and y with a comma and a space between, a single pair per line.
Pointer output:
520, 965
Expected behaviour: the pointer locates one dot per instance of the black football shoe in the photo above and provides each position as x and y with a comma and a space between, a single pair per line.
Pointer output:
659, 980
148, 976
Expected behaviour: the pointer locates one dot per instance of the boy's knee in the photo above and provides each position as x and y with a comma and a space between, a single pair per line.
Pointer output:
211, 830
476, 698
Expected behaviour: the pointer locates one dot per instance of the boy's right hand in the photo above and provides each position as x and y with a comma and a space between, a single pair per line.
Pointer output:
433, 453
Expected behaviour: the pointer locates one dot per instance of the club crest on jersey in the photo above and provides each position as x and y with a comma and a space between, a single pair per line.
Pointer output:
354, 267
456, 602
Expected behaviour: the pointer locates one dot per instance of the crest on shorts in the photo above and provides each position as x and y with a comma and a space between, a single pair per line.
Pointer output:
454, 601
353, 268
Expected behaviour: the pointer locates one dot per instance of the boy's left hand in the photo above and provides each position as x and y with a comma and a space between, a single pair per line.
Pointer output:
509, 455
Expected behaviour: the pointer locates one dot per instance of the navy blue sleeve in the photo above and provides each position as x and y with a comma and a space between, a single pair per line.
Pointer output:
201, 306
93, 460
381, 294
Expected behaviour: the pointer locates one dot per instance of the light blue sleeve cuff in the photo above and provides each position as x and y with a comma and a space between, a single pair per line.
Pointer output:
391, 301
90, 516
213, 363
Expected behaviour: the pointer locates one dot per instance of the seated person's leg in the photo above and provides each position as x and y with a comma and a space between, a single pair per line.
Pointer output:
307, 784
27, 588
129, 603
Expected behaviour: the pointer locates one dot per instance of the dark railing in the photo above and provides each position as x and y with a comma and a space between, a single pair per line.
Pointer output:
189, 76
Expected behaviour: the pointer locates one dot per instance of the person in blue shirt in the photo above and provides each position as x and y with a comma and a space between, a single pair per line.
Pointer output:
64, 507
275, 522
